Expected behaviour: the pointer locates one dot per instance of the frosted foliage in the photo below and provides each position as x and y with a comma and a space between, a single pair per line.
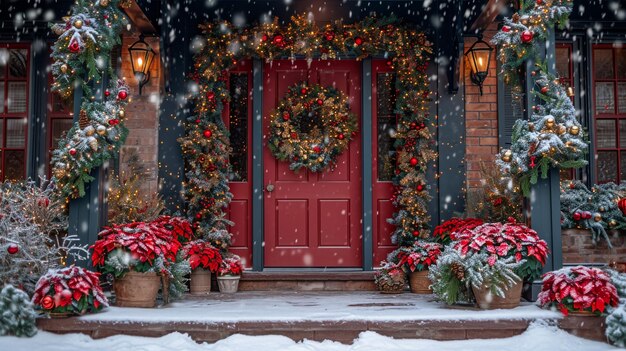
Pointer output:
32, 222
17, 315
616, 320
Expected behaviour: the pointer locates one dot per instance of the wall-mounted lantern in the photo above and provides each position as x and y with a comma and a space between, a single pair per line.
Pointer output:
478, 57
141, 57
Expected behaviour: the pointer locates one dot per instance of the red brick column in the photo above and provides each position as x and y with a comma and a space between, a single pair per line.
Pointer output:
481, 116
142, 114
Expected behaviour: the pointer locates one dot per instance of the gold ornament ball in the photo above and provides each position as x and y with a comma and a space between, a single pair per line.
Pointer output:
78, 24
507, 156
93, 143
562, 129
574, 130
64, 68
101, 130
121, 113
550, 122
552, 149
531, 126
602, 209
320, 159
104, 3
89, 130
612, 223
597, 217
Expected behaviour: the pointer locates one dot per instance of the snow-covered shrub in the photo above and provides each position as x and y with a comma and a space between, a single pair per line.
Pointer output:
33, 236
616, 318
455, 274
17, 316
578, 289
71, 289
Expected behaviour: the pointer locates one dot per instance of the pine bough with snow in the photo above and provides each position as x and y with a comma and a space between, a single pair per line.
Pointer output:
17, 316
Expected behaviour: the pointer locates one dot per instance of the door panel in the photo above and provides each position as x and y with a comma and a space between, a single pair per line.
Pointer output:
313, 219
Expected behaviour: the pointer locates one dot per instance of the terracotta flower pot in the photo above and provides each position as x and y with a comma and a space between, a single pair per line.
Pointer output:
137, 289
200, 281
488, 301
419, 282
228, 284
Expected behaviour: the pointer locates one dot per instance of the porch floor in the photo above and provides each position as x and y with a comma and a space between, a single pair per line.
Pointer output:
338, 316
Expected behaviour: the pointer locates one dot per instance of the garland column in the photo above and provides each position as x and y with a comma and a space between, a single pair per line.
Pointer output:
545, 199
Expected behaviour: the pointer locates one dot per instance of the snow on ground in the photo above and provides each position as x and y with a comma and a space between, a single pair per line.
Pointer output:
312, 306
539, 337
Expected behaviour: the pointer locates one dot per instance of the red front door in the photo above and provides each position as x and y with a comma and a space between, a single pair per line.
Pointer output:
313, 219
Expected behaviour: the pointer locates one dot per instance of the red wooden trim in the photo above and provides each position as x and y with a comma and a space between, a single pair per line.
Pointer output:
5, 116
380, 189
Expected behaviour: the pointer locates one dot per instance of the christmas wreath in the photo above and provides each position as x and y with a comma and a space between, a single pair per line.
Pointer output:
311, 127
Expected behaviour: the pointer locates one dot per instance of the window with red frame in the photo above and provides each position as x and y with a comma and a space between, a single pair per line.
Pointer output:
14, 83
609, 110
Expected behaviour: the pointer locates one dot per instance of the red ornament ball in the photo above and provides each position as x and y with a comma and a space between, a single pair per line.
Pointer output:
506, 29
416, 233
358, 41
107, 93
198, 215
341, 136
264, 37
577, 216
303, 91
74, 47
13, 249
317, 149
586, 215
210, 95
198, 121
286, 116
539, 2
122, 95
420, 187
572, 185
621, 204
43, 202
73, 152
114, 122
527, 36
320, 102
413, 161
329, 36
278, 40
544, 90
207, 133
413, 125
294, 135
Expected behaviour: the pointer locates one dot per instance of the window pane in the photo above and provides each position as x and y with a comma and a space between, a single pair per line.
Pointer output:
1, 96
386, 117
60, 106
605, 133
16, 100
620, 58
563, 62
1, 135
4, 59
59, 126
239, 126
607, 166
16, 133
605, 98
622, 170
622, 134
14, 163
603, 63
621, 97
18, 63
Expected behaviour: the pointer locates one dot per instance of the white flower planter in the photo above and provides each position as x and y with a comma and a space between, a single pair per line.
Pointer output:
228, 284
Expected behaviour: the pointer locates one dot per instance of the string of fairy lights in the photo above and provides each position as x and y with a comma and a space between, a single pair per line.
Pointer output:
407, 51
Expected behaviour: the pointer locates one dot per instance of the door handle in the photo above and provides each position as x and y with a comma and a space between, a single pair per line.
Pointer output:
269, 188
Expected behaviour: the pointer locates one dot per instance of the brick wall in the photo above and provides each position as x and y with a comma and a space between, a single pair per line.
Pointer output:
142, 113
578, 247
481, 116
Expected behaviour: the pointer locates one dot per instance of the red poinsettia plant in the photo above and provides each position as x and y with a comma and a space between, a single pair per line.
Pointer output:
578, 289
69, 290
231, 265
139, 246
503, 240
202, 254
446, 231
419, 256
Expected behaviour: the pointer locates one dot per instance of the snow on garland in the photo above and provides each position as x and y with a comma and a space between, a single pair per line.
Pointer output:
552, 136
311, 127
600, 209
407, 51
82, 56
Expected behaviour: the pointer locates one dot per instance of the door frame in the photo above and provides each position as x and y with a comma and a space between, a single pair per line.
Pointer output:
257, 168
